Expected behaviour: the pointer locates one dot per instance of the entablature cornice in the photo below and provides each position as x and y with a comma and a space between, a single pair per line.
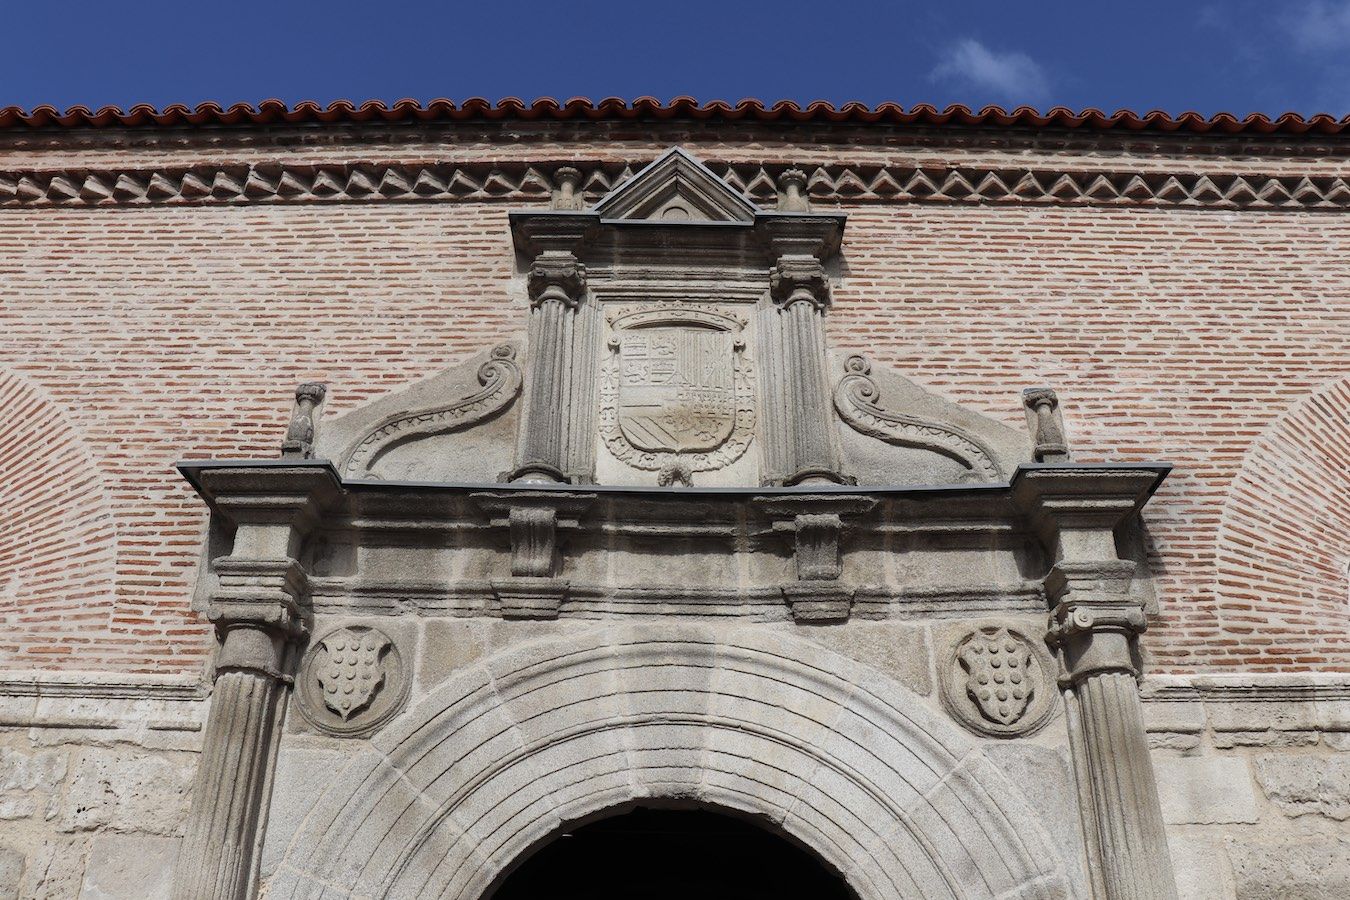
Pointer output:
392, 547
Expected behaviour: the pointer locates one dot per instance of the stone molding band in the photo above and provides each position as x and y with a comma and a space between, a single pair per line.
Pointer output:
481, 182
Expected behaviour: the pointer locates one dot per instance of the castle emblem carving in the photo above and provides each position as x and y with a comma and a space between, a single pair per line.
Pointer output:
997, 682
676, 391
351, 680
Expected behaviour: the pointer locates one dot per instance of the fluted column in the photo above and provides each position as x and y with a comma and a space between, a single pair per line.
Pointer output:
556, 283
800, 288
1095, 623
256, 608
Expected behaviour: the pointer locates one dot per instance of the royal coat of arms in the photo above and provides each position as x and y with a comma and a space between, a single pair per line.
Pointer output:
675, 389
353, 671
676, 394
998, 676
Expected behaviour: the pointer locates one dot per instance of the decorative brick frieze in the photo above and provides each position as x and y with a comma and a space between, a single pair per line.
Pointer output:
568, 185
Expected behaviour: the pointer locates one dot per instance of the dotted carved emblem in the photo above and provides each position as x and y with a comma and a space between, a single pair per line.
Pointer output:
353, 670
997, 682
996, 674
351, 680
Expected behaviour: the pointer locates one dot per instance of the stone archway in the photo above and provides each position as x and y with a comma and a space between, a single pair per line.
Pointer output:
662, 852
840, 758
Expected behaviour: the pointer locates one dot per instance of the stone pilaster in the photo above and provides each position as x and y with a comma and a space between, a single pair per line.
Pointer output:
257, 609
801, 290
557, 282
1094, 625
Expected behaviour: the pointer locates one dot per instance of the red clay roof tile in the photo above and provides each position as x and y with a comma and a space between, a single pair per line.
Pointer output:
275, 112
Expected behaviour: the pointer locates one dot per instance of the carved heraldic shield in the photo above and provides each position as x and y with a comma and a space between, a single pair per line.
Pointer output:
353, 672
676, 391
998, 676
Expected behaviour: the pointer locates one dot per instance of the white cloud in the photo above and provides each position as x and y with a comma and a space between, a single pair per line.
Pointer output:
1011, 77
1319, 25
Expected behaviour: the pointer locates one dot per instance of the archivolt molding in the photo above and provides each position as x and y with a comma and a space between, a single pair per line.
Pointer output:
855, 399
496, 760
523, 182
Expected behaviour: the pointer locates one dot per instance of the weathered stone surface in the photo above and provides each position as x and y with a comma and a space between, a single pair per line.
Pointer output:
299, 779
129, 867
1298, 868
1263, 724
43, 770
447, 645
1201, 866
11, 873
21, 807
56, 870
899, 651
1307, 785
1205, 790
127, 791
1045, 777
29, 781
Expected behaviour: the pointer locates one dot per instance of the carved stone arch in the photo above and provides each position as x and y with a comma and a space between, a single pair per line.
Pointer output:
840, 758
1284, 538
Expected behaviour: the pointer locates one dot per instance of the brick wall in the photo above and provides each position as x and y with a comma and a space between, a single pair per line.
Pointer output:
136, 334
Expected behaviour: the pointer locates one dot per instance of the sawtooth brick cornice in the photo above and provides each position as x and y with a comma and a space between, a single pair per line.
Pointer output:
234, 184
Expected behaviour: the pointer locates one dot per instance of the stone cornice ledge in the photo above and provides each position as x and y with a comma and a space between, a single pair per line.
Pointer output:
1220, 687
103, 685
391, 181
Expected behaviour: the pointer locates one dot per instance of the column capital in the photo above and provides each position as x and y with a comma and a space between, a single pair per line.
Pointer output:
556, 275
799, 278
256, 609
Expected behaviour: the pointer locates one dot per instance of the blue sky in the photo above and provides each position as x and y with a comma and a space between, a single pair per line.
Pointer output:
1175, 55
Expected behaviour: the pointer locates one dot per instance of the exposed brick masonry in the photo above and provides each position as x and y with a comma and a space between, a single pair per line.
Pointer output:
162, 332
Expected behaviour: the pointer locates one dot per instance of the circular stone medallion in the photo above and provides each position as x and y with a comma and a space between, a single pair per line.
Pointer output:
351, 681
998, 682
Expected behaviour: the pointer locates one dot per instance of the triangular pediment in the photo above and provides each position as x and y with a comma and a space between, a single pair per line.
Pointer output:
676, 188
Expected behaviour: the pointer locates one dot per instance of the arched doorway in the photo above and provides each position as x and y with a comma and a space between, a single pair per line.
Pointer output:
664, 854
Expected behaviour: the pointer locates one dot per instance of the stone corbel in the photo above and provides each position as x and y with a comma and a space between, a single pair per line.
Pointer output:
818, 527
537, 525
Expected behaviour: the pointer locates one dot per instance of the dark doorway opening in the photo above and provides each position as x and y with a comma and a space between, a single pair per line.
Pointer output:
663, 854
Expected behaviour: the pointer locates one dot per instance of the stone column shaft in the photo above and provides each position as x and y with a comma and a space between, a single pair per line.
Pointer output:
556, 284
257, 609
1095, 624
235, 765
1129, 824
799, 285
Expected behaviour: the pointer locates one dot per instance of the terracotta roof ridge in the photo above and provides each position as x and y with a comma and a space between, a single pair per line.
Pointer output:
277, 112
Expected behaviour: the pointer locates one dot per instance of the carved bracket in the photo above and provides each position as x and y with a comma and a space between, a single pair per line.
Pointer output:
817, 526
501, 382
536, 524
855, 399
